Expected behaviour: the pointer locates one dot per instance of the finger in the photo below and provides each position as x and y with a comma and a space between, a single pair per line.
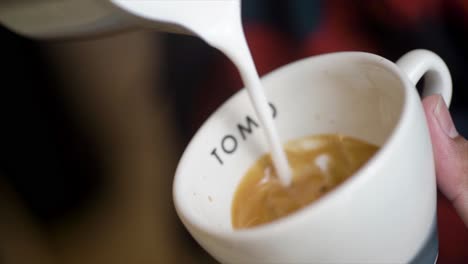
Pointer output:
450, 153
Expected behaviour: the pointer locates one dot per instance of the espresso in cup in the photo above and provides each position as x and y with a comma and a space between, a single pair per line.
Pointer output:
319, 164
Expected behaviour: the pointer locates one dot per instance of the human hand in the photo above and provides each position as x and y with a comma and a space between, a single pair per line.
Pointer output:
450, 153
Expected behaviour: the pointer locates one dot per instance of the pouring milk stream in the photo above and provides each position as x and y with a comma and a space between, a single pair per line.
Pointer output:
218, 22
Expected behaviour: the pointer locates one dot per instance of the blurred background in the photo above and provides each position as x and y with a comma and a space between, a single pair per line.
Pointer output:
91, 130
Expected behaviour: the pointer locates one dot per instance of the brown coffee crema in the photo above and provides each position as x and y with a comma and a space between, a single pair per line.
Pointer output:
319, 163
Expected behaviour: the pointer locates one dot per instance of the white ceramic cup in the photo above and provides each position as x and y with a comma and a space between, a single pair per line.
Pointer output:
385, 213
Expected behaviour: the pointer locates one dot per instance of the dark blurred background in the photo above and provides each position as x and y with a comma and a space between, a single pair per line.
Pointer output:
91, 130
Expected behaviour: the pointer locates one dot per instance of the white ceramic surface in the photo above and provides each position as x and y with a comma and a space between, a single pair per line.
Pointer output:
385, 213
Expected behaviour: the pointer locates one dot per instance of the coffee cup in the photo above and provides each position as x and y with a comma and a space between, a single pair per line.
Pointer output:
384, 213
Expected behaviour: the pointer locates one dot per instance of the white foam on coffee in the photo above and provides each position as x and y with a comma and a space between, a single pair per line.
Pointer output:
306, 144
219, 23
322, 162
266, 176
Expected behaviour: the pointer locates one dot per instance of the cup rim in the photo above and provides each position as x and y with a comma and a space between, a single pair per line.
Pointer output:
358, 178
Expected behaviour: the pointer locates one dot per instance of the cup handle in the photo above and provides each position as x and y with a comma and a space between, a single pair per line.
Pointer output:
437, 79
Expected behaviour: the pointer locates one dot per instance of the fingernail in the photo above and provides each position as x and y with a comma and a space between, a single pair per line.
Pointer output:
444, 119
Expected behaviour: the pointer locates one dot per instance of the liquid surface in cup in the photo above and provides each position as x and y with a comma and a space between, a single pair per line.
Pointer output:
319, 163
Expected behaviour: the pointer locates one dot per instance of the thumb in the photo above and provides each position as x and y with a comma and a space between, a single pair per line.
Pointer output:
450, 153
